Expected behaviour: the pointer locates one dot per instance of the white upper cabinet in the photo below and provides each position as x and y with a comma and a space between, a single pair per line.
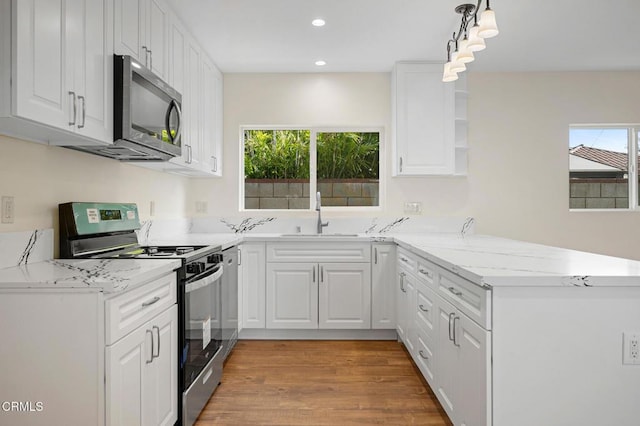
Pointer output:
423, 120
142, 31
211, 108
63, 69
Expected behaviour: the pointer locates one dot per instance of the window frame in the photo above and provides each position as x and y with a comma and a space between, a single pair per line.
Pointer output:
313, 153
632, 167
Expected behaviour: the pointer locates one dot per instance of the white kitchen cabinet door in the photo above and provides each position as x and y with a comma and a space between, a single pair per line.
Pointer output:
126, 361
142, 375
63, 66
447, 362
424, 120
157, 37
253, 274
161, 375
93, 70
211, 107
129, 28
474, 368
405, 309
292, 295
192, 130
141, 30
383, 289
344, 296
42, 75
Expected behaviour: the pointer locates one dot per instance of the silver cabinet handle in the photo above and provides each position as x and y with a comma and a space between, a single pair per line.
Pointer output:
450, 323
239, 257
149, 361
189, 156
425, 272
215, 164
157, 329
150, 302
73, 95
455, 335
423, 309
404, 259
146, 56
422, 354
314, 274
402, 274
150, 59
400, 164
375, 255
453, 290
322, 274
84, 110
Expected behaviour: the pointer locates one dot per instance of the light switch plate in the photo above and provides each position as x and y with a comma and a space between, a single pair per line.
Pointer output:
413, 207
8, 209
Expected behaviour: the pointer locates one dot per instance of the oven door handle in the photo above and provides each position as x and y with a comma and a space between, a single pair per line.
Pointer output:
205, 281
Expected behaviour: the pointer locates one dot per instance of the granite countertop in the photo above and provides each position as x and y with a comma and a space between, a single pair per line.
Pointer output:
107, 275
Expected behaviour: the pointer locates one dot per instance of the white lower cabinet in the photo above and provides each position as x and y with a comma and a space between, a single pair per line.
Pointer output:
252, 283
344, 296
142, 375
452, 351
318, 286
292, 295
383, 288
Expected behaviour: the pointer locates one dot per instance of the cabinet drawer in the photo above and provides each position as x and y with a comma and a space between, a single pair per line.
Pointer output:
423, 356
318, 252
425, 310
406, 260
126, 312
471, 299
427, 273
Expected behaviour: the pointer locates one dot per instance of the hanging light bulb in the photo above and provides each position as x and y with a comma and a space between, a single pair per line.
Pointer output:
456, 65
465, 54
476, 43
488, 26
448, 75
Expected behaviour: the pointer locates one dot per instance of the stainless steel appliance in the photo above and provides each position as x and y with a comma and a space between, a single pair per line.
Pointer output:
107, 230
230, 300
147, 116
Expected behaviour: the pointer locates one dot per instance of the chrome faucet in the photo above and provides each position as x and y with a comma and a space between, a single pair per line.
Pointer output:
320, 223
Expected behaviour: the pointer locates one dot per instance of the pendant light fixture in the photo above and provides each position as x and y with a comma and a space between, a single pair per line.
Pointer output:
468, 40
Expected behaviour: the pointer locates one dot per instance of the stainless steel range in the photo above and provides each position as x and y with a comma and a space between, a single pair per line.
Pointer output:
107, 230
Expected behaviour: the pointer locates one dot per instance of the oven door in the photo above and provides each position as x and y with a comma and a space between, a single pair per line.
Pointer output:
202, 322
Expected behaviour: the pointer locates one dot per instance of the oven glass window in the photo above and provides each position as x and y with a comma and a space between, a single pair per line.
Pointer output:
203, 326
149, 109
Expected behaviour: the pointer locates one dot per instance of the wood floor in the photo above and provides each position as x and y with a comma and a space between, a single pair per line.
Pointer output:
336, 383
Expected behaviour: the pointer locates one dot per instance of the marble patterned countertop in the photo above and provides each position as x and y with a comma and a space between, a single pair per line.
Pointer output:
481, 259
107, 275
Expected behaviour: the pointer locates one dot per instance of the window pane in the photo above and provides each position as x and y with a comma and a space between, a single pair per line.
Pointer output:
598, 168
348, 168
276, 169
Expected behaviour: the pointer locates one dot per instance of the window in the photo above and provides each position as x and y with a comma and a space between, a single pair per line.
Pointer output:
283, 168
601, 175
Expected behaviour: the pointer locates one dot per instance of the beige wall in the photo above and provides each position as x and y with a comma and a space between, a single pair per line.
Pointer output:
39, 177
517, 185
518, 178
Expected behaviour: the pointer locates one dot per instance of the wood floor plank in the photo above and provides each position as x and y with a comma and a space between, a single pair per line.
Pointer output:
321, 383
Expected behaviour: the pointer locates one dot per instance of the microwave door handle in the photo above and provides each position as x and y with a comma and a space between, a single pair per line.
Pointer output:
172, 105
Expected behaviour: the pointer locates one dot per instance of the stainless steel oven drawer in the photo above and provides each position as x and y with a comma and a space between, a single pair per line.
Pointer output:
195, 398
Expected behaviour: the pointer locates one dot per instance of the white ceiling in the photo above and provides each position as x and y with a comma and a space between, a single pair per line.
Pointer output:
370, 35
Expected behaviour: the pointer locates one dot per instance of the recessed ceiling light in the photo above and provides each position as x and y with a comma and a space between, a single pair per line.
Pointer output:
318, 22
321, 63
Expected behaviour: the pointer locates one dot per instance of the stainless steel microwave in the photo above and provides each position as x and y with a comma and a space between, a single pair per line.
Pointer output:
147, 113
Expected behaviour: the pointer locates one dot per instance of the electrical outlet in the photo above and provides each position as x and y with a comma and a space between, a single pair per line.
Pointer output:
8, 209
152, 208
631, 347
201, 207
413, 207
